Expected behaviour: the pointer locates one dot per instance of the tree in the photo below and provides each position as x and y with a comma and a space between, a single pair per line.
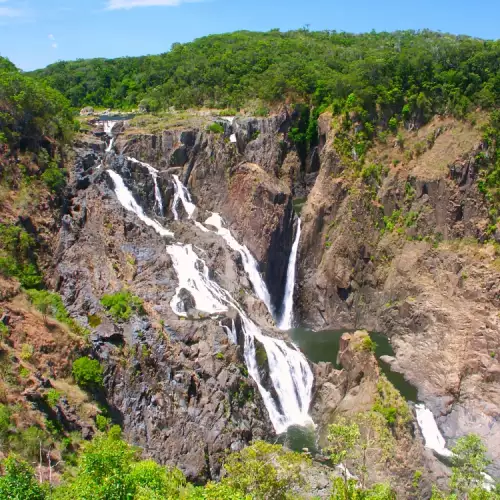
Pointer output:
264, 471
19, 482
469, 464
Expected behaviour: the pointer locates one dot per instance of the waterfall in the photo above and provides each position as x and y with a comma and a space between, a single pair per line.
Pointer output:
289, 370
286, 321
108, 130
432, 437
126, 198
249, 262
182, 194
154, 174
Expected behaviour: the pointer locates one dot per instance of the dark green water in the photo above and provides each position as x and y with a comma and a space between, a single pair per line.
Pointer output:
298, 204
324, 346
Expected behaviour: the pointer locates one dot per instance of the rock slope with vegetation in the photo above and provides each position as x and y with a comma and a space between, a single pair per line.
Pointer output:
388, 144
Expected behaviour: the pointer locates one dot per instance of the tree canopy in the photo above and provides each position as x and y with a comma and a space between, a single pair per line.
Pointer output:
409, 73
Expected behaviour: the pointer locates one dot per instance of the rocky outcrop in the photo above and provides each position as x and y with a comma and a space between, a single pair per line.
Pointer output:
399, 254
246, 181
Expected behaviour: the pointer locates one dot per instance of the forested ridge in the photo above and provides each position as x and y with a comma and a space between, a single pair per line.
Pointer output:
406, 73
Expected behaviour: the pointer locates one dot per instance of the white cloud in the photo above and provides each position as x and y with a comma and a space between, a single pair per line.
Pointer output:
52, 37
10, 12
54, 45
130, 4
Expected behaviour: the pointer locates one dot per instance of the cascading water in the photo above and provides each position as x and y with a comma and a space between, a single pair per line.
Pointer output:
289, 371
182, 194
286, 321
432, 437
154, 174
249, 262
108, 130
126, 198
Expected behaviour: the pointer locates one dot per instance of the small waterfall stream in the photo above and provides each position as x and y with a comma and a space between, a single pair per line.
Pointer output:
286, 320
289, 370
154, 174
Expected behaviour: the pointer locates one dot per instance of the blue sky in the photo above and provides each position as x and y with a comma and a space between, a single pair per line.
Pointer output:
34, 33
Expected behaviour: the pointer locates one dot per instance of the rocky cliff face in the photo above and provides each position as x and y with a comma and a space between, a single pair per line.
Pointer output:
378, 251
246, 177
396, 252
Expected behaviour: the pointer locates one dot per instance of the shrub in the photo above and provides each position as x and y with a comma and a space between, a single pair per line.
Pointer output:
17, 256
215, 128
27, 351
102, 422
88, 373
55, 178
121, 305
51, 304
53, 397
4, 422
265, 471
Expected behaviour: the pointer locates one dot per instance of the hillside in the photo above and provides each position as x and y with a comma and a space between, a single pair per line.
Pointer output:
147, 265
404, 72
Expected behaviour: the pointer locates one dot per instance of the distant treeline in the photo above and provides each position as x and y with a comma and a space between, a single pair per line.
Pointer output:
406, 74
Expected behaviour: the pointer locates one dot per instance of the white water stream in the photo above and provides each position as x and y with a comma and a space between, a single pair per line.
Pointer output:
154, 174
432, 437
108, 130
286, 320
249, 262
182, 194
289, 370
126, 198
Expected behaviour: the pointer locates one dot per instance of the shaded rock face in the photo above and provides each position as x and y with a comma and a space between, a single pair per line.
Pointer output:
176, 386
424, 282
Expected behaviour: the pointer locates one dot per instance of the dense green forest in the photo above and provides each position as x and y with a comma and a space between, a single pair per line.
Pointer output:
31, 112
405, 73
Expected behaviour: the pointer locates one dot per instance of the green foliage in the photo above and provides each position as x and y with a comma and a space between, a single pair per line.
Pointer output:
342, 439
54, 178
102, 422
53, 396
4, 423
27, 351
51, 304
19, 482
391, 405
367, 344
265, 471
30, 111
88, 373
469, 462
122, 305
216, 128
17, 256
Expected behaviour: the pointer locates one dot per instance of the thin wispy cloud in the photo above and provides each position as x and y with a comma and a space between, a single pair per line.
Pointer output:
51, 37
130, 4
54, 45
9, 11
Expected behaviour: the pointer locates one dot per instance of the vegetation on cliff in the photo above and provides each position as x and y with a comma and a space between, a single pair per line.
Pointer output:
32, 114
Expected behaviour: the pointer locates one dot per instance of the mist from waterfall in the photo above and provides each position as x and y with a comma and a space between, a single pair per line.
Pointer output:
286, 320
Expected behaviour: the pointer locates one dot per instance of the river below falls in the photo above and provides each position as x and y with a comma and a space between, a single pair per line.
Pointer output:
324, 346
